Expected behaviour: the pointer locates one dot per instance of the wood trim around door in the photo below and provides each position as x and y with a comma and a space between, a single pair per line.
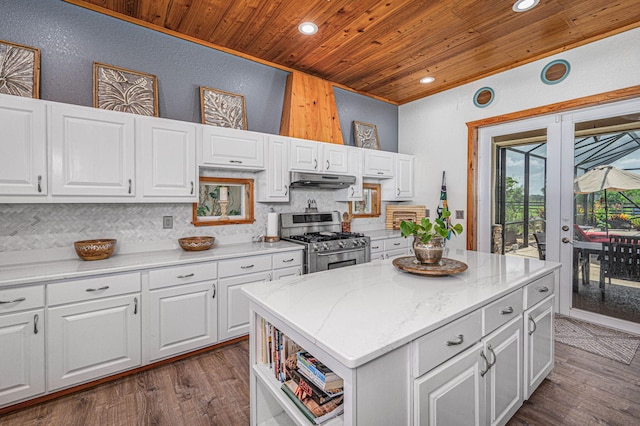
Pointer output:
472, 142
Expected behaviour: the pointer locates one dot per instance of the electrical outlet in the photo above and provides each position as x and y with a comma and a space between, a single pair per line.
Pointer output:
459, 214
427, 213
167, 222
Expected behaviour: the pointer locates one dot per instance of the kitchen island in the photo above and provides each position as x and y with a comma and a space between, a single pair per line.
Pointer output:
460, 349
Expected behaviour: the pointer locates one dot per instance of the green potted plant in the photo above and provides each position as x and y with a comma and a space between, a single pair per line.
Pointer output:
429, 237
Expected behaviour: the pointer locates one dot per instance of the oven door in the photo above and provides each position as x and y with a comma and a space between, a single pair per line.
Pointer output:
337, 259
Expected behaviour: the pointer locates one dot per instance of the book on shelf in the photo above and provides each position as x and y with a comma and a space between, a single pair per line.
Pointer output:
314, 369
274, 349
316, 413
309, 388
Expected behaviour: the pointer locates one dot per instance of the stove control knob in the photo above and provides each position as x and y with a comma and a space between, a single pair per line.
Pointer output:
341, 244
363, 242
356, 243
325, 246
315, 247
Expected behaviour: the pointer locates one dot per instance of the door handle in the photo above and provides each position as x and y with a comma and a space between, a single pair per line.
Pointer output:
565, 227
566, 240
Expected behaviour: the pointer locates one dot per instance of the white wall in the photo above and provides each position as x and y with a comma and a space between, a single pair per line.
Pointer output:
434, 128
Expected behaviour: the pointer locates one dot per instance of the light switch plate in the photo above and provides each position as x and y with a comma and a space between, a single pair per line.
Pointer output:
459, 214
167, 222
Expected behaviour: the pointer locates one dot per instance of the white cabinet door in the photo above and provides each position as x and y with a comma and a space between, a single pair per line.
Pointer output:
400, 188
180, 319
23, 146
92, 151
232, 148
538, 345
452, 394
334, 158
234, 305
21, 356
378, 164
355, 162
93, 339
167, 158
273, 183
294, 271
503, 381
304, 156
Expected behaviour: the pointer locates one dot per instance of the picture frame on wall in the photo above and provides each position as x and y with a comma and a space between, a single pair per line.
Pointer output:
366, 135
19, 70
121, 89
222, 109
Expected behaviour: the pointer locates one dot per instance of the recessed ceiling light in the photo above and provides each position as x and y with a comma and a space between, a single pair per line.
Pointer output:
426, 80
308, 28
524, 5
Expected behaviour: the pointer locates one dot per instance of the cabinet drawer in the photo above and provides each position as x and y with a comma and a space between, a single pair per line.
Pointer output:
21, 298
438, 346
244, 265
538, 290
377, 246
186, 274
395, 243
395, 253
502, 310
92, 288
287, 260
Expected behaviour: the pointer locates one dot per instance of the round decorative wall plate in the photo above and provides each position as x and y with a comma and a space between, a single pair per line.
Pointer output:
555, 71
483, 97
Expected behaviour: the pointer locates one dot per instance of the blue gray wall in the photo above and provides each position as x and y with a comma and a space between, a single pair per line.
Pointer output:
72, 38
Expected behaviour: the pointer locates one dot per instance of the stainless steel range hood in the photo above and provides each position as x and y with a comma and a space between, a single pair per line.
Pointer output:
322, 181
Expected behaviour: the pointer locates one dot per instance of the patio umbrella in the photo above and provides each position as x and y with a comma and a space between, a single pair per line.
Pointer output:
603, 178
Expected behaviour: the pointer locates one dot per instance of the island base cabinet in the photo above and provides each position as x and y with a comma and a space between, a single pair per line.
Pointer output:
180, 319
21, 356
538, 344
452, 394
89, 340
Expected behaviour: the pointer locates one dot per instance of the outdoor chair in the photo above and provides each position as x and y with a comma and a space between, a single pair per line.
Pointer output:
591, 237
620, 260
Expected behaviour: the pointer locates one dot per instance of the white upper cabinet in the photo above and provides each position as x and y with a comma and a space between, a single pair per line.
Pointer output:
23, 146
355, 162
378, 164
304, 156
167, 158
334, 158
400, 188
231, 149
273, 183
92, 151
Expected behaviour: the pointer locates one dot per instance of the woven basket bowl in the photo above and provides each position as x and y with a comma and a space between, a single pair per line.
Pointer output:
196, 243
95, 249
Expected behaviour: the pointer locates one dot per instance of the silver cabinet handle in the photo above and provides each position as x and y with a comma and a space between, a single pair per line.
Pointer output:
506, 311
35, 324
495, 358
129, 186
19, 299
534, 325
135, 306
375, 247
247, 267
186, 276
288, 260
353, 191
380, 173
191, 187
286, 190
214, 291
39, 183
328, 165
396, 244
543, 289
486, 363
235, 161
269, 277
398, 192
106, 287
315, 163
455, 342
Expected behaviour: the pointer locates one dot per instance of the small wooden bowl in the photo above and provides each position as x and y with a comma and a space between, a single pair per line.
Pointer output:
95, 249
196, 243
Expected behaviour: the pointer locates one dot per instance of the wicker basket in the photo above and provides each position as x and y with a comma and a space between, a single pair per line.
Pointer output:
196, 243
95, 249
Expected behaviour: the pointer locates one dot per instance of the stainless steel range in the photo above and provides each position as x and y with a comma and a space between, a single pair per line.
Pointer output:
326, 247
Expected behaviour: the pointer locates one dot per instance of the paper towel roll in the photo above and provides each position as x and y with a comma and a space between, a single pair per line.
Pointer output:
272, 224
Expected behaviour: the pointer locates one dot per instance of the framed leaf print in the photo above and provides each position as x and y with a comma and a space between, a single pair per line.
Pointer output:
19, 70
365, 135
120, 89
222, 109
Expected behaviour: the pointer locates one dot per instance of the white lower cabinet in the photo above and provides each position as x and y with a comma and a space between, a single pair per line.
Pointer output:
538, 344
234, 305
390, 247
21, 356
92, 339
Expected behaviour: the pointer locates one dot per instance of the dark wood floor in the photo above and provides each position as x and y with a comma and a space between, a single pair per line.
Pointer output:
213, 389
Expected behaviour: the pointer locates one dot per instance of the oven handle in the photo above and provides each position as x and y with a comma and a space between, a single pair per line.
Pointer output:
340, 252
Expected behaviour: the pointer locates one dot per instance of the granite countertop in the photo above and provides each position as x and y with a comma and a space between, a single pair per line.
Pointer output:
26, 273
359, 313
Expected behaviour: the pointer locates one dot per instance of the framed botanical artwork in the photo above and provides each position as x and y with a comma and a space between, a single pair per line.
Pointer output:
370, 204
223, 201
120, 89
366, 135
222, 109
19, 70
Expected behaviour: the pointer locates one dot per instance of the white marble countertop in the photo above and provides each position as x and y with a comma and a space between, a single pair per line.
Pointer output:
26, 273
361, 312
381, 234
